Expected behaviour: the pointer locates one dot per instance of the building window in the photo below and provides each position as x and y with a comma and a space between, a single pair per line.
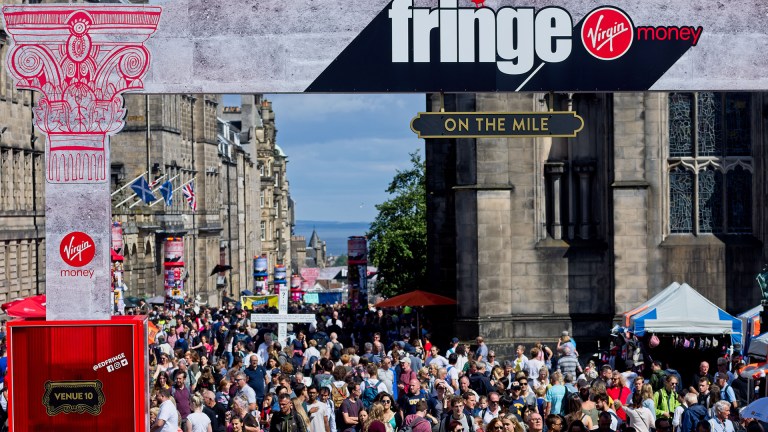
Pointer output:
710, 163
261, 199
263, 230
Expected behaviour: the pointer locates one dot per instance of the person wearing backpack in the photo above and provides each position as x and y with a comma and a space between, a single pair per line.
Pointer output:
604, 409
372, 386
726, 391
339, 388
417, 422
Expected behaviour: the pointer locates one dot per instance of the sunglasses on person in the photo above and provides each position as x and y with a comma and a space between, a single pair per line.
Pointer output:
498, 427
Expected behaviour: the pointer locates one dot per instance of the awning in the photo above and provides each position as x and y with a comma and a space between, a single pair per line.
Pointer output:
683, 310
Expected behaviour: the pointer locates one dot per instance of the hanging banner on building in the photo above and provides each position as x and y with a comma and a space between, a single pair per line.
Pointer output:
117, 237
174, 250
250, 302
461, 46
357, 250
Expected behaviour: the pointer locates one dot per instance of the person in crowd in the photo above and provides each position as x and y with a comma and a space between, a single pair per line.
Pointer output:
637, 416
720, 421
535, 422
168, 416
577, 426
419, 421
554, 423
726, 391
695, 413
457, 415
390, 416
350, 408
316, 409
286, 419
215, 411
666, 400
555, 395
576, 412
618, 390
198, 422
607, 422
493, 410
702, 372
410, 398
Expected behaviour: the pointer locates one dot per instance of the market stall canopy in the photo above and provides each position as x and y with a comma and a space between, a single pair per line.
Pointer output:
683, 310
416, 298
652, 302
759, 346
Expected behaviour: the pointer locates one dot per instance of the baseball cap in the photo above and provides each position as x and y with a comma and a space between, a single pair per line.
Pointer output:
508, 363
455, 340
405, 360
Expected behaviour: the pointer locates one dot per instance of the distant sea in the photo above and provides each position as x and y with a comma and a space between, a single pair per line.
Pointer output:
334, 234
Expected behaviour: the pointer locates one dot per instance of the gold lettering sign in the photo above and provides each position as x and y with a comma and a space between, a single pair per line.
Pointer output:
563, 124
73, 397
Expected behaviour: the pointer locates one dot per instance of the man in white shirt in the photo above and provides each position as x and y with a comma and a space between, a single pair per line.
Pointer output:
334, 320
436, 359
168, 418
310, 352
263, 351
318, 420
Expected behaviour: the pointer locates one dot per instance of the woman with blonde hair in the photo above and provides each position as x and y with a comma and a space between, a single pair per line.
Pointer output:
298, 408
512, 424
375, 414
646, 392
542, 379
199, 421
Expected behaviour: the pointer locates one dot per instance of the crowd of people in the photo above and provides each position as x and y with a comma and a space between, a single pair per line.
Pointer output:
374, 371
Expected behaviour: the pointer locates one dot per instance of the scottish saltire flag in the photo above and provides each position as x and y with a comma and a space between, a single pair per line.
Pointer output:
143, 190
189, 194
166, 190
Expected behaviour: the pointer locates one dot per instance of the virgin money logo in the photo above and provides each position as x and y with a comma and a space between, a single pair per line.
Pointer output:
607, 33
77, 249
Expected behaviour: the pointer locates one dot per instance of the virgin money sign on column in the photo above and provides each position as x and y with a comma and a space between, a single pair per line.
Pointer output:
77, 250
462, 46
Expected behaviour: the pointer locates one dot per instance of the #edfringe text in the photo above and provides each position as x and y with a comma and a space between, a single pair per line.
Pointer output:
113, 363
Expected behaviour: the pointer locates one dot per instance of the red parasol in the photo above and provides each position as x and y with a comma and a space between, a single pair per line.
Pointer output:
31, 307
417, 298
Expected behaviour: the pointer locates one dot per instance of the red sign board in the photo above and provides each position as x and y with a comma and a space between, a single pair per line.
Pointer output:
100, 385
77, 249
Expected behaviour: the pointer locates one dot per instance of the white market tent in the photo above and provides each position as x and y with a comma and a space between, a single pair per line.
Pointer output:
759, 346
680, 309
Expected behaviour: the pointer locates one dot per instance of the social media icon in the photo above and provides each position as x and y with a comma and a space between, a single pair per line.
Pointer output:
110, 368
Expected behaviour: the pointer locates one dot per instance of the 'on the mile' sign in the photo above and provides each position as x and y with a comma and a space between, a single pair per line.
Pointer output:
565, 124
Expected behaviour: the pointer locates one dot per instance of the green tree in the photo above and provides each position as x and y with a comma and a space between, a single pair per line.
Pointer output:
398, 235
341, 261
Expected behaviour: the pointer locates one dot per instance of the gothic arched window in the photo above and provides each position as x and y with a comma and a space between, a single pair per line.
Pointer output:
710, 163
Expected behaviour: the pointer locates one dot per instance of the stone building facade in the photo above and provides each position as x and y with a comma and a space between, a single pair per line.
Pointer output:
539, 235
277, 221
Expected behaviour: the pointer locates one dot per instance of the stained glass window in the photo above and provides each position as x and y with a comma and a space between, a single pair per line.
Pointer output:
710, 201
710, 134
737, 123
709, 124
681, 200
739, 203
680, 121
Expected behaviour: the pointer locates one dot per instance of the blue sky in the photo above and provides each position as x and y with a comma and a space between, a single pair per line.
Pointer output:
343, 150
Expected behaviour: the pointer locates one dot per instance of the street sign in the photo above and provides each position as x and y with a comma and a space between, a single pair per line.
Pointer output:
283, 318
564, 124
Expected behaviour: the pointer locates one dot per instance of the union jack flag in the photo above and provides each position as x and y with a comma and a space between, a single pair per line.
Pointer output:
189, 194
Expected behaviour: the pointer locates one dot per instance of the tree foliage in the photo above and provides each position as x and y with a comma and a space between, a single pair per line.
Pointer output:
341, 261
398, 235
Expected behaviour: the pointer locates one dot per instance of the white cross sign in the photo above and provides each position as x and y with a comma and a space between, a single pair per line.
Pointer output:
283, 318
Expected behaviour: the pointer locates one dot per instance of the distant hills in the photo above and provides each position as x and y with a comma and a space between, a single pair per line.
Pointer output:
334, 233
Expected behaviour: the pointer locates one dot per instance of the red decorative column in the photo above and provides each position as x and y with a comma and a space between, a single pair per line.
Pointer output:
80, 59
